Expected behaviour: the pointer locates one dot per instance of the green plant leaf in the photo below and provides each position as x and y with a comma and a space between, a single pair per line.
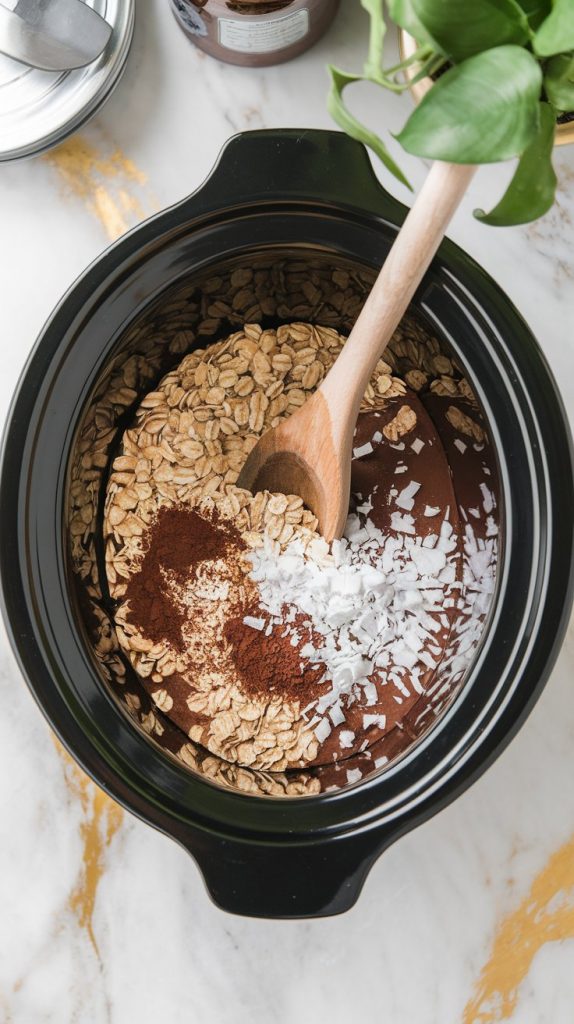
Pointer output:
403, 15
481, 111
536, 11
343, 117
463, 29
531, 191
374, 62
559, 81
556, 33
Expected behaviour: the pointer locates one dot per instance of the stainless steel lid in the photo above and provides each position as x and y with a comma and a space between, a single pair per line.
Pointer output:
39, 108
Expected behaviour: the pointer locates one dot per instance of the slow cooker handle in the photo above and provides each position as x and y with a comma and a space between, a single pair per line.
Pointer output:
283, 164
285, 881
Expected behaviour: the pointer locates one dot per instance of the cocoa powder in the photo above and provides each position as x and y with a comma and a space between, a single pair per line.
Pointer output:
270, 664
179, 539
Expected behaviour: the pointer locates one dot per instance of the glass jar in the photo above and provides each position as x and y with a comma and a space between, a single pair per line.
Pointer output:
254, 33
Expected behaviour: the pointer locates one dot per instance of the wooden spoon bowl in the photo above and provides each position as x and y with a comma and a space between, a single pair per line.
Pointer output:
309, 453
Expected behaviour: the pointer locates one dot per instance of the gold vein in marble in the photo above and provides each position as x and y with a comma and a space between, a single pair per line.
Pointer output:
104, 182
102, 819
545, 915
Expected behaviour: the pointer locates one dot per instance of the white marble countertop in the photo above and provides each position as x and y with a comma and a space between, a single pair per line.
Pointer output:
468, 919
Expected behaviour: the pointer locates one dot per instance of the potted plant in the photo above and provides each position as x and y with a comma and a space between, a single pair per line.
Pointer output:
493, 80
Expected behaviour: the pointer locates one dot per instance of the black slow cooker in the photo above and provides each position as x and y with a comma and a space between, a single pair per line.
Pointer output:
276, 198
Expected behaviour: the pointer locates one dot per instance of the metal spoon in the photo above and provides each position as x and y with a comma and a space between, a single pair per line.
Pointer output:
310, 452
52, 35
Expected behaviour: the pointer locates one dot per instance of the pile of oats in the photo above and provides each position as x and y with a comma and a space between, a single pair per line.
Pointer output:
188, 442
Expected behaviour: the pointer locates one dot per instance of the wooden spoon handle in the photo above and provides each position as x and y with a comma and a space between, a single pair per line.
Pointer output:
400, 276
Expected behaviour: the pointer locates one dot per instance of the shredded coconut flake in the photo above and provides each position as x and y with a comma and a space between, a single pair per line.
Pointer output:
405, 499
379, 720
322, 730
249, 620
336, 715
363, 449
487, 499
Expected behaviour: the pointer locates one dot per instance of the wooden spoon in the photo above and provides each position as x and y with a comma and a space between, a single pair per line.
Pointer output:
310, 453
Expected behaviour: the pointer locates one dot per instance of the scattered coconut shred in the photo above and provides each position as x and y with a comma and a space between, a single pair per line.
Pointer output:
375, 602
